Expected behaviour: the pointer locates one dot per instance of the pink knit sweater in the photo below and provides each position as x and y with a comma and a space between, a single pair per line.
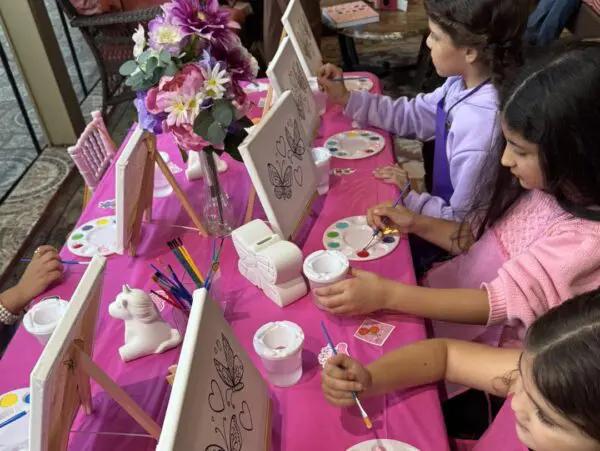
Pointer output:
536, 257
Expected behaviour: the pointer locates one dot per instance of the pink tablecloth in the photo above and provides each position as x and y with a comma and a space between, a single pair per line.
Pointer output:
302, 419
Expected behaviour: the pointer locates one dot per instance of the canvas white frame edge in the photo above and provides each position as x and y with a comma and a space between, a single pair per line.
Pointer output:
54, 350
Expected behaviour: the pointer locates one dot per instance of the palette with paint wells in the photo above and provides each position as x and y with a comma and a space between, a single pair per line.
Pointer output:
382, 445
14, 419
96, 237
355, 144
351, 235
358, 84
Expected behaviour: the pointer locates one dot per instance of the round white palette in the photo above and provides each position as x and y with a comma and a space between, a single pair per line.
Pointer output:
14, 419
359, 84
97, 237
351, 235
355, 144
382, 445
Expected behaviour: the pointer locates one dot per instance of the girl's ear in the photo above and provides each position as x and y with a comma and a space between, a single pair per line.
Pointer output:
471, 55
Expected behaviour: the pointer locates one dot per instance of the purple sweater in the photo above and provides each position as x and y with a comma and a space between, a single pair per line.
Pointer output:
474, 128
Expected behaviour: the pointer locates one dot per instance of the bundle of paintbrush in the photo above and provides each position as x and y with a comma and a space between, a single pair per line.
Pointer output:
214, 263
176, 293
184, 259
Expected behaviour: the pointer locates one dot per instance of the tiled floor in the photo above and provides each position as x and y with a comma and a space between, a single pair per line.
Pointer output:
47, 203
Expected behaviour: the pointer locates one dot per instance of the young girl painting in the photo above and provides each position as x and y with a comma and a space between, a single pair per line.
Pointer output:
532, 239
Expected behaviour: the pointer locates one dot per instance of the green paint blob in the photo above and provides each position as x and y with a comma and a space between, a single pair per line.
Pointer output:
77, 236
333, 235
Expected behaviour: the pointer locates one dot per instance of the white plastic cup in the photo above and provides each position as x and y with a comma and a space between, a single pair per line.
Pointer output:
43, 318
322, 158
162, 187
323, 268
279, 345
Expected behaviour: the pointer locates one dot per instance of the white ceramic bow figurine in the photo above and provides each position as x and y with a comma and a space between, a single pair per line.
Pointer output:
145, 331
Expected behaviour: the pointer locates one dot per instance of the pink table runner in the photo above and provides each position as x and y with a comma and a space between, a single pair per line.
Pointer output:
302, 419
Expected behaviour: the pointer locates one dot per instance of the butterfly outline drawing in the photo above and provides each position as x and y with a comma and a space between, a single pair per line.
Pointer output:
281, 180
294, 140
300, 86
231, 373
235, 437
304, 41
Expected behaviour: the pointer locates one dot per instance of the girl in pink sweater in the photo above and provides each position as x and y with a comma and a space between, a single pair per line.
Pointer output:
533, 237
554, 396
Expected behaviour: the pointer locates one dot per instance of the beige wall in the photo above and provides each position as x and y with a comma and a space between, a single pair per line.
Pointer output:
34, 45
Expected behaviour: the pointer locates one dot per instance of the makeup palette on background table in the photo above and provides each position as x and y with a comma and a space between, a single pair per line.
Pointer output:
355, 144
14, 420
383, 444
358, 84
351, 235
96, 237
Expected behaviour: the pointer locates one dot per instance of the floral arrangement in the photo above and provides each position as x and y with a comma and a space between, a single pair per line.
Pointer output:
187, 72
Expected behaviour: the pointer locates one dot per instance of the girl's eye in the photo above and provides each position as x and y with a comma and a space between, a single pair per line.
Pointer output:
543, 418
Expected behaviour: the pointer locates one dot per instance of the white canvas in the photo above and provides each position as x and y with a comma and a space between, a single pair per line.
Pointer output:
286, 74
219, 401
129, 174
280, 165
298, 29
53, 389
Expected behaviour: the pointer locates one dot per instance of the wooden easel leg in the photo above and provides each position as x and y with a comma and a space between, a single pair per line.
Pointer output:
305, 213
179, 193
251, 201
118, 394
151, 145
82, 379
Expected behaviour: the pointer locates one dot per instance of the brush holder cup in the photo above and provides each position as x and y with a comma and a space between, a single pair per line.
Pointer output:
323, 268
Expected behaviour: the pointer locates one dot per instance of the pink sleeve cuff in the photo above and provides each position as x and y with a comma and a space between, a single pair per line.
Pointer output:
497, 301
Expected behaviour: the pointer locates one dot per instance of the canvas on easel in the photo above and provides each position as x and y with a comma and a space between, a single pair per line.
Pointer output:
285, 74
280, 165
60, 380
219, 400
298, 29
134, 187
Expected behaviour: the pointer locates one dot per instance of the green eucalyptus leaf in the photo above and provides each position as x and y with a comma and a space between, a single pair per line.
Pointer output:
151, 64
171, 69
128, 68
201, 127
144, 56
232, 143
184, 154
222, 111
164, 56
216, 133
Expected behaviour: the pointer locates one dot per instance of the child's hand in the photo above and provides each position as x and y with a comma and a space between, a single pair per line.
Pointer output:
399, 217
341, 376
362, 294
335, 90
392, 174
45, 269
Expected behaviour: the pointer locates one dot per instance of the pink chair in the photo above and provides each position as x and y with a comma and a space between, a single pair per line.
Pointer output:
93, 151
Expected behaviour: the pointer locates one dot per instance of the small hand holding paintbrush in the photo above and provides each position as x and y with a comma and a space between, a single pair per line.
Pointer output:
400, 200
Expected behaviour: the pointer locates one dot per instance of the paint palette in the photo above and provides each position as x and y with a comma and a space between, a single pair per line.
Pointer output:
355, 144
359, 84
351, 235
97, 237
14, 420
382, 445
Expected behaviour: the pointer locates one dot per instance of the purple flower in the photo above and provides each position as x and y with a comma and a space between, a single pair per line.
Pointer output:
202, 17
239, 64
148, 121
166, 35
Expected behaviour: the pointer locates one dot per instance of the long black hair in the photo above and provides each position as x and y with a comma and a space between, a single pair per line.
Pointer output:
493, 27
554, 102
564, 344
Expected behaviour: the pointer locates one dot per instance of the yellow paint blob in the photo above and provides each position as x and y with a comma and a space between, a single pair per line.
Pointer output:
102, 221
9, 400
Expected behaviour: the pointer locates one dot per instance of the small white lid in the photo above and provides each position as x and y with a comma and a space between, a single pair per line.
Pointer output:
43, 317
278, 340
320, 154
325, 266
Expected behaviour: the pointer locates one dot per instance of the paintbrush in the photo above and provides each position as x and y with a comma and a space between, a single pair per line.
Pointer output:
183, 262
187, 256
364, 415
166, 299
64, 262
400, 199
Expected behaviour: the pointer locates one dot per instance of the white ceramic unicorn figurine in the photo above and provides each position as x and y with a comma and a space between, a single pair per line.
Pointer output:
145, 331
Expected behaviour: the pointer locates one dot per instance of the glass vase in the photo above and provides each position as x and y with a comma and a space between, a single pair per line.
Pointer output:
219, 215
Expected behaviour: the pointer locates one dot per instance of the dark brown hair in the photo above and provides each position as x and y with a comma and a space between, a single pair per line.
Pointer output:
565, 347
494, 27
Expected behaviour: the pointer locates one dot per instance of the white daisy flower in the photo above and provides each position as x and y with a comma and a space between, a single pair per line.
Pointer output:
215, 81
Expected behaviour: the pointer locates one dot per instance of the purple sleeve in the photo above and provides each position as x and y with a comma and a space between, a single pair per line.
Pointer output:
467, 146
414, 118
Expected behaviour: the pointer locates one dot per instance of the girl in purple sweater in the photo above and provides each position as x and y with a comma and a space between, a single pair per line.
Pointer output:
474, 43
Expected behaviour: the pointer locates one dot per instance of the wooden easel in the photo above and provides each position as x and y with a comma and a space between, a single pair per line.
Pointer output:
252, 195
144, 201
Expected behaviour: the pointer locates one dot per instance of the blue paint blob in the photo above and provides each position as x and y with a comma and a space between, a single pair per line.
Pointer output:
374, 138
342, 225
389, 239
27, 399
85, 228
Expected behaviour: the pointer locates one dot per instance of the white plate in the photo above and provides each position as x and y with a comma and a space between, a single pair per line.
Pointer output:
355, 144
97, 237
382, 445
15, 435
351, 235
360, 84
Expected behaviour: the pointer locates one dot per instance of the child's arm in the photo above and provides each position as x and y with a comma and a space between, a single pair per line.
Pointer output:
474, 365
